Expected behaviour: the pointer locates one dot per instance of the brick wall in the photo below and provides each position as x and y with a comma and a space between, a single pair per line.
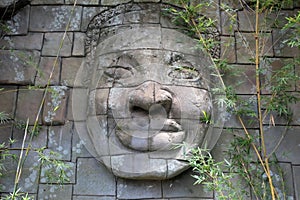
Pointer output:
28, 54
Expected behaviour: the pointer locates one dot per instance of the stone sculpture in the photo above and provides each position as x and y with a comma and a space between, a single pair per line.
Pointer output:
148, 87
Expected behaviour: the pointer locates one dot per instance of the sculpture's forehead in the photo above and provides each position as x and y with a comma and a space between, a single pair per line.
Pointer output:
149, 38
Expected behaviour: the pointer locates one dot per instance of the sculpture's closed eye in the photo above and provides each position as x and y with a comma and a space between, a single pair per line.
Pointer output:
183, 72
118, 72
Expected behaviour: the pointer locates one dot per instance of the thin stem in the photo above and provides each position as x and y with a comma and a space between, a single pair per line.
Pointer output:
258, 90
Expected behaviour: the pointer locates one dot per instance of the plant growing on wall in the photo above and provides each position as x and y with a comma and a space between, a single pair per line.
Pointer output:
257, 172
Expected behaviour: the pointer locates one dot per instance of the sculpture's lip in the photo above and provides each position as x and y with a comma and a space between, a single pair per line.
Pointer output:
171, 125
152, 140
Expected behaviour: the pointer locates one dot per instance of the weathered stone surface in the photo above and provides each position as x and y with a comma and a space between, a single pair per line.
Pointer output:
247, 21
39, 141
228, 22
77, 104
83, 2
271, 66
28, 105
93, 178
112, 3
245, 46
55, 192
55, 107
52, 44
98, 102
88, 14
241, 78
37, 2
29, 177
220, 151
139, 166
5, 133
288, 147
45, 69
78, 146
228, 49
296, 170
54, 18
19, 23
70, 68
232, 120
59, 137
69, 171
281, 48
8, 99
283, 174
32, 41
141, 1
183, 186
18, 67
78, 46
92, 198
133, 189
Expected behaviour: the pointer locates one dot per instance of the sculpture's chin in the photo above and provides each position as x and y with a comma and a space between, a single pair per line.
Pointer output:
140, 166
162, 140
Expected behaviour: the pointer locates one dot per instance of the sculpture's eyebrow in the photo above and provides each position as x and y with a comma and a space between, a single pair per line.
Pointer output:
126, 61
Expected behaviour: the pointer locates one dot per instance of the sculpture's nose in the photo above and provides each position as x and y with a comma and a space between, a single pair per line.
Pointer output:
148, 96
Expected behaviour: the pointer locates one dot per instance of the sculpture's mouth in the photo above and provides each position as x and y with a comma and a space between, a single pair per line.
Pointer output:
153, 139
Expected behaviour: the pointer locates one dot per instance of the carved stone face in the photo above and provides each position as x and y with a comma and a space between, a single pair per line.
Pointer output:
147, 94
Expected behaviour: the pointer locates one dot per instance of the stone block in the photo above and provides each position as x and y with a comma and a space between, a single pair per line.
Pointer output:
59, 140
5, 133
147, 16
42, 2
88, 14
29, 177
271, 66
78, 46
83, 2
31, 41
284, 143
280, 47
18, 67
78, 146
138, 189
93, 198
296, 170
113, 3
54, 18
77, 104
228, 22
98, 102
56, 192
8, 99
38, 141
247, 21
70, 69
19, 23
232, 121
69, 171
52, 44
93, 178
55, 107
241, 78
183, 186
145, 1
220, 151
283, 180
45, 69
234, 4
245, 46
28, 104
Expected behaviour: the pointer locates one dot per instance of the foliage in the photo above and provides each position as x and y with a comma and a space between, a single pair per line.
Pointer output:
248, 158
